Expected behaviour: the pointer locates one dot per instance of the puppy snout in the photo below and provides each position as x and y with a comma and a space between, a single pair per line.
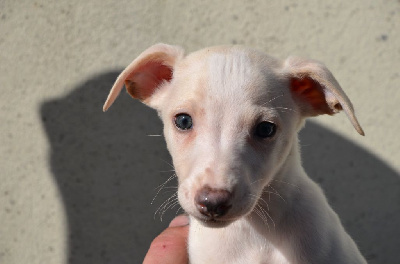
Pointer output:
213, 203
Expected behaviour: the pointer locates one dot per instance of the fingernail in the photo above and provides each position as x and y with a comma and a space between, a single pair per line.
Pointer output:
180, 220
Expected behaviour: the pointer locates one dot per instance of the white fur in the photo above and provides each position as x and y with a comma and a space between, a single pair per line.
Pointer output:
278, 215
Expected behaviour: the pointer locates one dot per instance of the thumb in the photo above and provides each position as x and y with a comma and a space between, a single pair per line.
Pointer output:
170, 247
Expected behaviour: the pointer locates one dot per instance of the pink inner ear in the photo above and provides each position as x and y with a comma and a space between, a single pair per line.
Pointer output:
142, 83
311, 93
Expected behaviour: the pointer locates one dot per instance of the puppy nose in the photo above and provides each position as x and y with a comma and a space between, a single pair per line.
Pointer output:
213, 202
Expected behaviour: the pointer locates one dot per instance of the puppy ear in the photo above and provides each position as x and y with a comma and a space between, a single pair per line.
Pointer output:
317, 91
146, 73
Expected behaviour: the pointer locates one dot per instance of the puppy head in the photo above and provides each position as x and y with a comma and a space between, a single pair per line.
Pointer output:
231, 116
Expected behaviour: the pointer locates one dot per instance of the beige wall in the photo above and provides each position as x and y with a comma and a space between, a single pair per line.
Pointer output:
73, 188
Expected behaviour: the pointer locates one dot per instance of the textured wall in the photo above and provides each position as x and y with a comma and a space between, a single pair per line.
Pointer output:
76, 185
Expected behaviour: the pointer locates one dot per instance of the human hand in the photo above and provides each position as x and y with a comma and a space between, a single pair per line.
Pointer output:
170, 247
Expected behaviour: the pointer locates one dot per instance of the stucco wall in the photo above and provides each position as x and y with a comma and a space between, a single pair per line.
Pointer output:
76, 185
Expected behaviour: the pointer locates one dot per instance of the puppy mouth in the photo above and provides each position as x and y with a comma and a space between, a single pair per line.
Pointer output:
215, 223
215, 218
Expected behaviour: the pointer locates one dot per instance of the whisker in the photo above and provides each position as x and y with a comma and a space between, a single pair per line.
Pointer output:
258, 213
288, 183
172, 166
277, 194
273, 99
166, 201
261, 212
265, 217
285, 108
256, 181
167, 171
262, 217
169, 191
173, 203
162, 207
180, 208
171, 187
274, 192
177, 203
262, 200
269, 216
168, 180
154, 135
160, 187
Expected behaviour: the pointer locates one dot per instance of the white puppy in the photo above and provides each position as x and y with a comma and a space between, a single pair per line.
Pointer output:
231, 117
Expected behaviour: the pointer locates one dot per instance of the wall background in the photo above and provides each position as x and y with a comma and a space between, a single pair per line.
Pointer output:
76, 184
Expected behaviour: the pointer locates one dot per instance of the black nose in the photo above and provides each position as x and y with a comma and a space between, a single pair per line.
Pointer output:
213, 202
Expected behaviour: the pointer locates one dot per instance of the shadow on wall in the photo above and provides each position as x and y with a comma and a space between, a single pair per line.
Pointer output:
107, 170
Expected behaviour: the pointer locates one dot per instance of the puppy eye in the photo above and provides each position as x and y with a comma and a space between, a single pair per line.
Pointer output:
265, 129
183, 121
